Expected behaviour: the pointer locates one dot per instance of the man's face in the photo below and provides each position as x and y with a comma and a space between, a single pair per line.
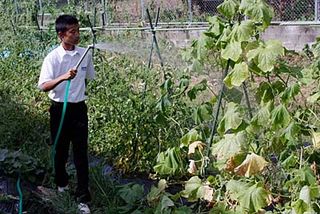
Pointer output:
71, 36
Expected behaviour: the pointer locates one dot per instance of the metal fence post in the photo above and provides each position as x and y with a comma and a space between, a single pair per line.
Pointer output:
316, 10
190, 10
142, 10
105, 13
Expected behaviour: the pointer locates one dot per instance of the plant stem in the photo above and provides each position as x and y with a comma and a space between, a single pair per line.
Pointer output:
244, 86
215, 120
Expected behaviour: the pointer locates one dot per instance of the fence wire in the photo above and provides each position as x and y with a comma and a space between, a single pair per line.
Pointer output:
134, 11
293, 10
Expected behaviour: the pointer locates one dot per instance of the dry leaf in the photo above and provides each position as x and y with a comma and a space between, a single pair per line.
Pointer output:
230, 165
192, 167
316, 139
206, 193
194, 145
252, 165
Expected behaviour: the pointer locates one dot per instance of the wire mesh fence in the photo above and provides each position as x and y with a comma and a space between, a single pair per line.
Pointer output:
294, 10
108, 12
198, 10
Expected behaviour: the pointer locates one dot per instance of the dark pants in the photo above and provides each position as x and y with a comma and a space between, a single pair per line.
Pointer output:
75, 130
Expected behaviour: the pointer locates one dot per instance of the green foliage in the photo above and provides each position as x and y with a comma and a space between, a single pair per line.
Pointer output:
14, 163
269, 138
130, 121
251, 197
169, 163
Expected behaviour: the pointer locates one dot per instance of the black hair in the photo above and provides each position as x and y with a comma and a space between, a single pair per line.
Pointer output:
63, 21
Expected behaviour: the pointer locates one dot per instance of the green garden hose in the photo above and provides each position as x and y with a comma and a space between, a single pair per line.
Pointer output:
53, 150
20, 195
64, 108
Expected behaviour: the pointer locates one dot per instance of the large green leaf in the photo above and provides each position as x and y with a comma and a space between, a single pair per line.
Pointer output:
156, 192
243, 31
169, 162
190, 137
280, 117
232, 118
303, 176
263, 115
290, 161
290, 92
237, 76
232, 51
191, 188
195, 189
266, 54
202, 113
229, 8
254, 198
131, 193
292, 131
235, 187
229, 146
250, 197
216, 27
257, 10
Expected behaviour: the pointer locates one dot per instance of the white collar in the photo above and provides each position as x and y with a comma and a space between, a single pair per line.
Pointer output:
62, 51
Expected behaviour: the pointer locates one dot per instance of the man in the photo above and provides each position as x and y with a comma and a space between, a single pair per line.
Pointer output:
58, 67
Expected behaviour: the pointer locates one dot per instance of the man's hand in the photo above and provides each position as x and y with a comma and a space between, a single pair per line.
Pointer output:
47, 86
70, 74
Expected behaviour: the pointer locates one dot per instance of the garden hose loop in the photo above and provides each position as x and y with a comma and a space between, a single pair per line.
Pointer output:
53, 150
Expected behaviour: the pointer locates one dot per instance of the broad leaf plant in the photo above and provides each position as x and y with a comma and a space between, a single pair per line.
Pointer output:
262, 154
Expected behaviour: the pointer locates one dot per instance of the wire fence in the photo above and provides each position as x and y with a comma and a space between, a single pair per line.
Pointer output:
108, 12
120, 11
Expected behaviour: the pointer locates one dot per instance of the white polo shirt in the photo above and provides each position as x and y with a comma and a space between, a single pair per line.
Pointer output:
58, 62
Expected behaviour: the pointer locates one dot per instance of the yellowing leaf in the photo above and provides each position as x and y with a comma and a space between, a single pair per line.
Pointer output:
242, 32
194, 145
229, 146
252, 165
237, 76
232, 51
266, 54
316, 139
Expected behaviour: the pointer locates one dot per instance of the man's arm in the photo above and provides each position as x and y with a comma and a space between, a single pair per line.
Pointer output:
51, 84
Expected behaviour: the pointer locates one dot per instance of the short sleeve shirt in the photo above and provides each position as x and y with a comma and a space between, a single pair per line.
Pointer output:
58, 62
